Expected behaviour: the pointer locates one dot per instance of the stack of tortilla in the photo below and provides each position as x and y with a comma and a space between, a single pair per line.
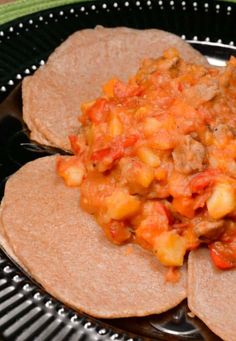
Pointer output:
61, 246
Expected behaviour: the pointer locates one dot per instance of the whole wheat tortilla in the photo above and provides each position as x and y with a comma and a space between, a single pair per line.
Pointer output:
79, 67
212, 294
67, 253
4, 243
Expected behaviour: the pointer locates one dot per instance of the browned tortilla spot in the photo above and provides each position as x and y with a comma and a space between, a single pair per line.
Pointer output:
78, 68
66, 252
212, 294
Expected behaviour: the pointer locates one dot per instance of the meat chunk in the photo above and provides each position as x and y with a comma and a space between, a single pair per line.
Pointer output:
201, 93
209, 230
189, 156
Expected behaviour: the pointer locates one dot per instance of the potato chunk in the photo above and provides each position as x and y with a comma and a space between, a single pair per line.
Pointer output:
71, 170
222, 200
146, 155
170, 248
144, 175
151, 126
121, 205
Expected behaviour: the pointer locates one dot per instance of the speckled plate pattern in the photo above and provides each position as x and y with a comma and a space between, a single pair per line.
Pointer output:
26, 311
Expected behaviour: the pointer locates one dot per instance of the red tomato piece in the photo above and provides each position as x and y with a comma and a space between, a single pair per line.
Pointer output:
96, 112
110, 153
118, 232
219, 259
147, 233
130, 140
180, 87
202, 180
74, 144
101, 154
184, 206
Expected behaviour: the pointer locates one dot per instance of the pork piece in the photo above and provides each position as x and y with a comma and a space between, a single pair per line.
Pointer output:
201, 93
209, 230
64, 249
212, 294
78, 68
189, 156
222, 131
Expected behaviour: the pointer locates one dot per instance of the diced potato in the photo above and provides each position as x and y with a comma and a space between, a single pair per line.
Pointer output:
151, 126
170, 248
162, 140
222, 200
148, 156
115, 126
73, 175
160, 174
71, 169
144, 175
121, 205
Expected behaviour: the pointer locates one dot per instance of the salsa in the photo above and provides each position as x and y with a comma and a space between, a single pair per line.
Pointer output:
155, 159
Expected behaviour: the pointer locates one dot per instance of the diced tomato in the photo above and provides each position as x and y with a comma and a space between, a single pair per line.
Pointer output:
118, 232
220, 258
130, 140
229, 236
180, 87
147, 232
223, 252
202, 180
184, 206
117, 148
111, 153
96, 112
74, 144
100, 154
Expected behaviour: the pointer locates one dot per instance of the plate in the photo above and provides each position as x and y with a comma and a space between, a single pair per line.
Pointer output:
26, 311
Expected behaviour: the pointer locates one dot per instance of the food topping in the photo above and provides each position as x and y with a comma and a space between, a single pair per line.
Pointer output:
155, 159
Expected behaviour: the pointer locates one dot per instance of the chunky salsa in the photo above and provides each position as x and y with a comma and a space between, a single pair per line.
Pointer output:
155, 159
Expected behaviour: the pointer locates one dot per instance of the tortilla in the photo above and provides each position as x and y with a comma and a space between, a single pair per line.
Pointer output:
212, 294
4, 244
79, 67
63, 249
